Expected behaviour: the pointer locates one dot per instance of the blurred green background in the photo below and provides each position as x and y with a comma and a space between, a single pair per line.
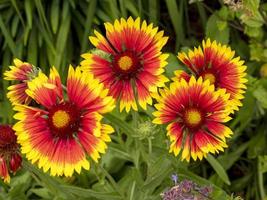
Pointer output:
47, 33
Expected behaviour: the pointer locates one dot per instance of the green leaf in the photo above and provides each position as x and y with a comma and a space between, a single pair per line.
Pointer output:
218, 169
263, 164
42, 192
173, 65
47, 181
7, 36
14, 3
14, 26
123, 8
177, 21
41, 13
157, 172
120, 123
260, 94
33, 47
62, 41
229, 159
28, 11
153, 11
87, 193
88, 23
217, 29
132, 8
246, 112
54, 17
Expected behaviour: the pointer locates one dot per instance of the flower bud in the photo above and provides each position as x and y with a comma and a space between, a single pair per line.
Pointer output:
15, 162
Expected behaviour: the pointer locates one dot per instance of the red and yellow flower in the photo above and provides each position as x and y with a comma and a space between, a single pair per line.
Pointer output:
10, 159
133, 66
216, 62
22, 72
194, 112
60, 134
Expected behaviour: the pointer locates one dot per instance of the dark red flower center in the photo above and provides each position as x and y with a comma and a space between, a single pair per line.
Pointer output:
8, 139
209, 75
64, 119
193, 118
126, 64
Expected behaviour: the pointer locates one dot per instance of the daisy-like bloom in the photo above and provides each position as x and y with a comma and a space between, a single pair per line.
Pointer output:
194, 112
10, 159
216, 62
133, 66
22, 72
59, 135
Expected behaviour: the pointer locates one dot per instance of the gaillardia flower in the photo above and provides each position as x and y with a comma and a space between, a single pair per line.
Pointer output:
10, 159
21, 72
194, 112
133, 67
216, 63
59, 134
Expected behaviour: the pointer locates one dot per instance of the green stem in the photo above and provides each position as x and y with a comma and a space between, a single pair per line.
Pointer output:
135, 118
132, 190
260, 182
149, 146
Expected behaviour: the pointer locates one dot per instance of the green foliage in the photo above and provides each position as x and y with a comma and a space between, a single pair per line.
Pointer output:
137, 164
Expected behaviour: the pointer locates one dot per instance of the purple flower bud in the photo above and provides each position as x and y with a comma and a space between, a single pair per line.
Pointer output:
175, 179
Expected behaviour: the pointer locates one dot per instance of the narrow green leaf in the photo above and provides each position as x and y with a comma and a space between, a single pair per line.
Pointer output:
7, 35
41, 13
44, 179
88, 23
123, 8
33, 47
62, 40
153, 11
46, 37
42, 192
114, 12
87, 193
218, 169
29, 11
14, 26
176, 18
132, 8
14, 3
54, 17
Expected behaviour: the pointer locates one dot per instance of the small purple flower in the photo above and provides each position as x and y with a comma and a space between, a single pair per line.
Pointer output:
174, 178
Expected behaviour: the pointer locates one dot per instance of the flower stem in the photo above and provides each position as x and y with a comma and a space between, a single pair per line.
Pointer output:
260, 182
149, 145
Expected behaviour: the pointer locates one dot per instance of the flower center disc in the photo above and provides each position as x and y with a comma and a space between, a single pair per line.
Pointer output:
61, 118
192, 117
64, 119
210, 77
125, 63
